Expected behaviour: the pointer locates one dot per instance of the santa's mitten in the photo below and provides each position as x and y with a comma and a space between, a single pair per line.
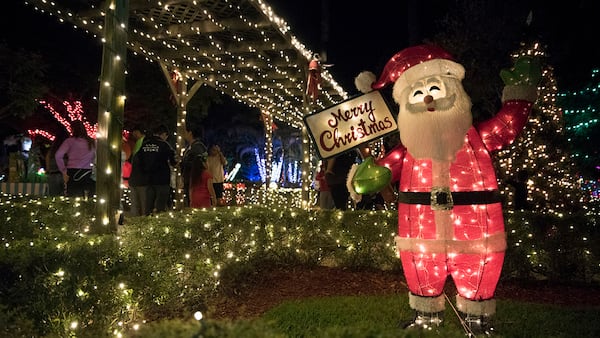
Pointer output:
521, 81
370, 178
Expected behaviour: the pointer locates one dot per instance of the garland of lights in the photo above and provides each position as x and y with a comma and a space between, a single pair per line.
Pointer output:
290, 113
581, 115
75, 112
283, 110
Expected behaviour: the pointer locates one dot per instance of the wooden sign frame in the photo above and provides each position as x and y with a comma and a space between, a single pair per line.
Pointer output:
347, 125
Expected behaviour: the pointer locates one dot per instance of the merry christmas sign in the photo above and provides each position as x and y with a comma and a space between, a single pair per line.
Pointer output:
351, 123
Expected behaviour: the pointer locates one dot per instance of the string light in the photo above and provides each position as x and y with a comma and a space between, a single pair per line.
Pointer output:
552, 186
287, 106
581, 116
225, 241
74, 112
267, 74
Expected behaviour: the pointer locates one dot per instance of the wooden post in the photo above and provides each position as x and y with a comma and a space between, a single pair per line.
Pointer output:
179, 89
268, 123
111, 105
307, 155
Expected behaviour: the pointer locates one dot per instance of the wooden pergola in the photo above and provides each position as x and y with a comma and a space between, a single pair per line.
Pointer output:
239, 47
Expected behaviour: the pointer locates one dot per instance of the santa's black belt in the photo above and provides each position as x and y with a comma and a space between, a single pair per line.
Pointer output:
444, 199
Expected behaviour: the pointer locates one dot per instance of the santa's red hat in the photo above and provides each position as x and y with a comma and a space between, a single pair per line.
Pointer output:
414, 63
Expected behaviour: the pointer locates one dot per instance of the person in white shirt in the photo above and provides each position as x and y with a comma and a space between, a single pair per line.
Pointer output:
215, 163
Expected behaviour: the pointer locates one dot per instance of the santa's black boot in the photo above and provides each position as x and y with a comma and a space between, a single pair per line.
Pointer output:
429, 312
476, 316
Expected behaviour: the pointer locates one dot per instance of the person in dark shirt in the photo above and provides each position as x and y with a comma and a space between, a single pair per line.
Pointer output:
194, 148
137, 187
154, 160
137, 180
336, 175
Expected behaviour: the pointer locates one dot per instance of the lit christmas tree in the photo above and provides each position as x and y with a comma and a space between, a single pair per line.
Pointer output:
538, 165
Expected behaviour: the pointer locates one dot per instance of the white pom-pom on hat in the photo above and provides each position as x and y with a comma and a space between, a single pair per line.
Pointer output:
364, 80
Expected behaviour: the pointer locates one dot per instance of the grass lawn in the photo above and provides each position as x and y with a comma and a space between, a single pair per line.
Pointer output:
382, 317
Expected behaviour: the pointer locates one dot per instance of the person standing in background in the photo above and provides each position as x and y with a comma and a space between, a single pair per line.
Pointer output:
194, 148
56, 184
325, 197
202, 192
155, 159
75, 159
138, 181
215, 163
138, 134
336, 174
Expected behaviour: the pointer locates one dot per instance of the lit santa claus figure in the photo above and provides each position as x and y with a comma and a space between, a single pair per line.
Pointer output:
450, 220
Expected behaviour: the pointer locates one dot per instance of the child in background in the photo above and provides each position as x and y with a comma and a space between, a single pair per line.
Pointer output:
202, 192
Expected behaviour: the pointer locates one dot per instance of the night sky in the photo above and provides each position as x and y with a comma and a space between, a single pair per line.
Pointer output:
354, 37
364, 36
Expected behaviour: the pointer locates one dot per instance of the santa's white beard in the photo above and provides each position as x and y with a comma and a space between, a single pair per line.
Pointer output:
436, 135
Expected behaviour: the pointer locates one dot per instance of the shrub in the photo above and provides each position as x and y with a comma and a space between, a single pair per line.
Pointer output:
62, 276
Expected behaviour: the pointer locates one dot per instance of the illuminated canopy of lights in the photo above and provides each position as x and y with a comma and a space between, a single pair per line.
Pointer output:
240, 47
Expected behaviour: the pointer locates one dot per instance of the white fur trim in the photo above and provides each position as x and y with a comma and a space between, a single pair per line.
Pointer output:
441, 67
494, 243
527, 93
356, 197
426, 304
476, 308
364, 80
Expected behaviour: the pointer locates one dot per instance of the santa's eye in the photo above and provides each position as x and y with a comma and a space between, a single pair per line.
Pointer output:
437, 90
417, 95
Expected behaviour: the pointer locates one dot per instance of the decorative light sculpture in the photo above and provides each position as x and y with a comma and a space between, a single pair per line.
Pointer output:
450, 220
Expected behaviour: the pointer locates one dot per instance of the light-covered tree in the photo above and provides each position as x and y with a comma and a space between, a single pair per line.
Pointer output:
539, 160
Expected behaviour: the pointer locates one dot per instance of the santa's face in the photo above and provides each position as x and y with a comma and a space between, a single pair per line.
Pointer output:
434, 117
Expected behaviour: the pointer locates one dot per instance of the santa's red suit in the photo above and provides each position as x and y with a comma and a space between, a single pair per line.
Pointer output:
472, 249
450, 219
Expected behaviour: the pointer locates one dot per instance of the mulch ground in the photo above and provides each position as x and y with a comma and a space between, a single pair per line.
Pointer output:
269, 288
